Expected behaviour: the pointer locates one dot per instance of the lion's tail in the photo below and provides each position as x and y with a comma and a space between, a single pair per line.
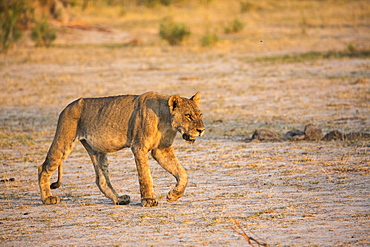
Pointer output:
57, 184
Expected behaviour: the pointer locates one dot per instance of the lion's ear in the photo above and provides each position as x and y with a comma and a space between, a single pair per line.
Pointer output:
196, 98
174, 102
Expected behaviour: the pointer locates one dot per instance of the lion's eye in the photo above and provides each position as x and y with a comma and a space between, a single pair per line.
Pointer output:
188, 116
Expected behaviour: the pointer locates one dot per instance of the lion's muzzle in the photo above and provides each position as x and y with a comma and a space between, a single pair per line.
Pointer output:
190, 138
201, 131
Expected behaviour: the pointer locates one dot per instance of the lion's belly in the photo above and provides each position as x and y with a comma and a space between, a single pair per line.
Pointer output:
104, 123
107, 144
107, 137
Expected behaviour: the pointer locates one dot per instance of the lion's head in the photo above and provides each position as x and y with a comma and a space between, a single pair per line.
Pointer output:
186, 116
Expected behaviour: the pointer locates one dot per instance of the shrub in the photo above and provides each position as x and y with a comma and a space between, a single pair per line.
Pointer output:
248, 7
153, 3
209, 39
351, 48
42, 34
10, 14
173, 32
234, 26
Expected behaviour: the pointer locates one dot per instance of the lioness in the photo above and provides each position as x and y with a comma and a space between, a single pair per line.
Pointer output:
147, 122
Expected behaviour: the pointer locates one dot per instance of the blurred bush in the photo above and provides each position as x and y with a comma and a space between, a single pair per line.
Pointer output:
209, 39
42, 34
248, 6
173, 32
153, 3
234, 26
12, 15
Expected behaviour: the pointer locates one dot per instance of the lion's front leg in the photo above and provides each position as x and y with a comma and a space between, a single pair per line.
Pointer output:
148, 197
168, 160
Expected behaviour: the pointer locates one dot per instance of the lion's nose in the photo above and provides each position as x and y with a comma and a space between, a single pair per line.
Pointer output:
201, 131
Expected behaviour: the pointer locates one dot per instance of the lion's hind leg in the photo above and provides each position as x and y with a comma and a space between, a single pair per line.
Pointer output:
100, 163
63, 143
56, 155
45, 172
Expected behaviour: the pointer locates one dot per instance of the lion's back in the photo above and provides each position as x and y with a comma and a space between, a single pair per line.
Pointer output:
104, 122
108, 123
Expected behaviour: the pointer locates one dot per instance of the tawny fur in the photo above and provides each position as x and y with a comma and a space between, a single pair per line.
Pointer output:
145, 123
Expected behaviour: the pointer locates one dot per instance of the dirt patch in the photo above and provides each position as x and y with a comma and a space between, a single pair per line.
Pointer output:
306, 193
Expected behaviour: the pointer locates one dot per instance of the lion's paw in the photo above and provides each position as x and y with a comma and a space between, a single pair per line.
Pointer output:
173, 196
149, 202
123, 200
51, 200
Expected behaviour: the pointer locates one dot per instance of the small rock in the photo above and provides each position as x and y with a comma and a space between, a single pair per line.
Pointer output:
294, 135
265, 135
334, 135
312, 133
337, 135
357, 136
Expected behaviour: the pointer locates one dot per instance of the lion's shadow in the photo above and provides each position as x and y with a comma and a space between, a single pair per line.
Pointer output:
27, 199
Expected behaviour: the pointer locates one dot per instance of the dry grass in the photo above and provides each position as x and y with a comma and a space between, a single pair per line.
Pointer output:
277, 23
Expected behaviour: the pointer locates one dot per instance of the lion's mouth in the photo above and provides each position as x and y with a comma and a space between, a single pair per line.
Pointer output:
189, 138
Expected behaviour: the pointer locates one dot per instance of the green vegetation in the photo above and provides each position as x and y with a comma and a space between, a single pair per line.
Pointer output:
173, 32
315, 55
10, 14
16, 16
234, 27
209, 39
42, 34
247, 6
153, 3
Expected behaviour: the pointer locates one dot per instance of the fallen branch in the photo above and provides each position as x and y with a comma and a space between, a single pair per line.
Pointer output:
249, 239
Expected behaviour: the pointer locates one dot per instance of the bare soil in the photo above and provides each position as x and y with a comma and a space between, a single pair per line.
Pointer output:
286, 193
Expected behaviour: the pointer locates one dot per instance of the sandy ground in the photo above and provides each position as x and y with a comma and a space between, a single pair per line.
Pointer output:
285, 193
